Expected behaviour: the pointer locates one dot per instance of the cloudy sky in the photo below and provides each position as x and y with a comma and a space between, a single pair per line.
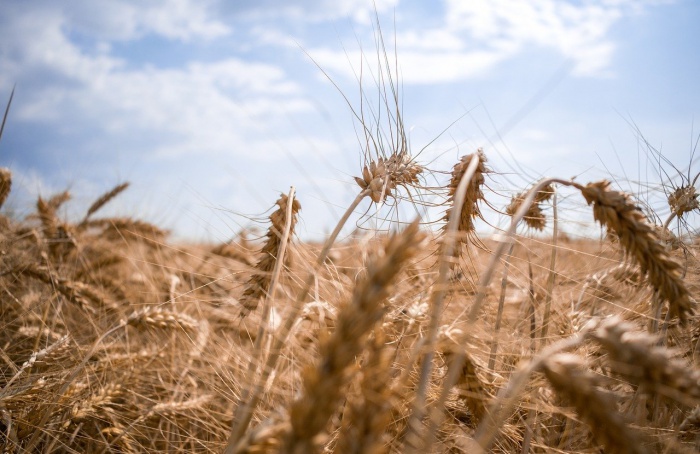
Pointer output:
212, 108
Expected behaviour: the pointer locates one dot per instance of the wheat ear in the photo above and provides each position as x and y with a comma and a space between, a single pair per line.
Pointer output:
258, 286
636, 356
104, 199
474, 194
251, 396
617, 211
570, 380
5, 184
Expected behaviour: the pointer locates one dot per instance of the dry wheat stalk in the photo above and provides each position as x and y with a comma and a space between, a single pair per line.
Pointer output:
5, 184
324, 382
474, 194
469, 385
617, 211
258, 285
578, 386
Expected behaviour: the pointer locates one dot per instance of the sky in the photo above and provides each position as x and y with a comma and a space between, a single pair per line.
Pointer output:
211, 109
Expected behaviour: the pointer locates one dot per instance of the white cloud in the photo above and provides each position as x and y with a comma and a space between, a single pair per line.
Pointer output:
132, 19
476, 35
199, 107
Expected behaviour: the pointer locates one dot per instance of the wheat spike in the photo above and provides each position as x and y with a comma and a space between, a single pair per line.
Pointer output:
5, 184
104, 199
383, 176
259, 283
617, 211
636, 356
534, 217
567, 376
474, 194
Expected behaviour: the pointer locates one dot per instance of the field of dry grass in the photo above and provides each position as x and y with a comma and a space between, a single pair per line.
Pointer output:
418, 339
116, 340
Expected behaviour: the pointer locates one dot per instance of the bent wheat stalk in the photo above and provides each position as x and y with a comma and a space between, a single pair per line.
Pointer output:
250, 397
446, 256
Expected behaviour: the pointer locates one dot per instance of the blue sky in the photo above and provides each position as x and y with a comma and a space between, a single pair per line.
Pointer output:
212, 108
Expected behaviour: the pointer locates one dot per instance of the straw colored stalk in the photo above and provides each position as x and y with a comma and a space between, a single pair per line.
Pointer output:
251, 396
635, 356
5, 184
474, 194
502, 406
259, 283
415, 440
578, 386
617, 211
323, 383
469, 385
534, 217
459, 358
383, 176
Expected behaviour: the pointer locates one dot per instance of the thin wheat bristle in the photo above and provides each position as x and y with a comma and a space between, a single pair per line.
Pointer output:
474, 194
5, 184
324, 382
105, 198
578, 386
534, 218
258, 285
617, 211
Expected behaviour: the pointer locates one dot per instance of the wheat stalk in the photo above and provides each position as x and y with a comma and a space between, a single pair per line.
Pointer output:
323, 383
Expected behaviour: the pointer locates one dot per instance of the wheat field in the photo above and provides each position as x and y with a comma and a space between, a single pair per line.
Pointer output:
419, 338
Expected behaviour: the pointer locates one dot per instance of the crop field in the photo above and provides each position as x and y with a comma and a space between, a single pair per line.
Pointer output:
422, 336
